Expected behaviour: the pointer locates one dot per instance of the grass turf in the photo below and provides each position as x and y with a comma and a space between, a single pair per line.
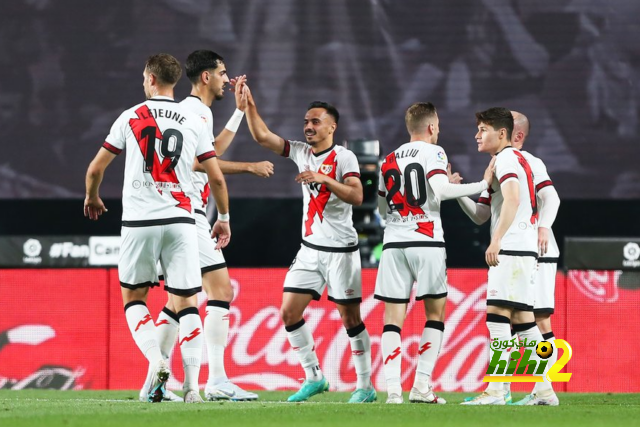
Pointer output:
121, 409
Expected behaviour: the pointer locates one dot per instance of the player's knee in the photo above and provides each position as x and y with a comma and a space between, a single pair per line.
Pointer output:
289, 316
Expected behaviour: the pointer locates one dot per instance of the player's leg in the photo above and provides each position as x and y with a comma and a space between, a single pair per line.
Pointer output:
303, 284
428, 266
343, 275
167, 326
179, 258
393, 286
217, 285
544, 290
500, 305
137, 272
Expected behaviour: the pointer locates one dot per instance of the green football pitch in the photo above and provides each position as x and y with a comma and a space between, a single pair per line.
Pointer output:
121, 409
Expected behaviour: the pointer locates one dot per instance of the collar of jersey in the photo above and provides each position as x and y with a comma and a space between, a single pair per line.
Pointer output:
162, 98
324, 151
195, 96
508, 146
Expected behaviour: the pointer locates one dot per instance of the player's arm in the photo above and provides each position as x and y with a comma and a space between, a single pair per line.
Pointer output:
218, 185
93, 205
444, 190
479, 213
259, 130
549, 205
261, 169
511, 194
349, 192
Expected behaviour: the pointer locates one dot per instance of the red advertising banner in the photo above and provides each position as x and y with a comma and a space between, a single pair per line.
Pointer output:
65, 329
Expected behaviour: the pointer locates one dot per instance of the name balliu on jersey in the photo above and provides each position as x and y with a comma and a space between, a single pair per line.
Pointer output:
414, 211
200, 195
326, 220
522, 235
162, 139
542, 180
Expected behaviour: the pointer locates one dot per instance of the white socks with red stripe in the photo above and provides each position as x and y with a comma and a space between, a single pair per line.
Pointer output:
392, 358
301, 341
361, 355
143, 330
190, 341
428, 352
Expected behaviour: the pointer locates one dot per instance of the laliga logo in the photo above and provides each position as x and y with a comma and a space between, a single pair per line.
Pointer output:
544, 350
631, 252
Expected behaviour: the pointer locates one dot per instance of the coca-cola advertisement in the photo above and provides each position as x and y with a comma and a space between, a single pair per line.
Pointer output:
65, 329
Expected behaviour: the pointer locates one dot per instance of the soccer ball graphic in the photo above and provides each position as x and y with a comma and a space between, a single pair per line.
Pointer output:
544, 349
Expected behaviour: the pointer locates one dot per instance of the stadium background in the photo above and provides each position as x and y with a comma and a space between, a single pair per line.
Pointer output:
66, 73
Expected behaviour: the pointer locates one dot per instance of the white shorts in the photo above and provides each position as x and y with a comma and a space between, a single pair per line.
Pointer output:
210, 258
174, 245
400, 267
545, 286
312, 270
511, 282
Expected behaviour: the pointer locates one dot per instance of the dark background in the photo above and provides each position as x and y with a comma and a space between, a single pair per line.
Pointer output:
573, 66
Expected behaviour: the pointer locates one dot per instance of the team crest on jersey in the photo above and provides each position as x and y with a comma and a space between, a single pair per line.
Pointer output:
326, 169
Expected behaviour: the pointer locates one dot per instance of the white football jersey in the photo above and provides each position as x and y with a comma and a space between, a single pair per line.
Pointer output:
541, 180
326, 220
413, 218
522, 237
162, 140
200, 196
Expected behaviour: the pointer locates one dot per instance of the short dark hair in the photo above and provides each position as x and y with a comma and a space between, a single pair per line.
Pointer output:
165, 67
331, 110
418, 115
497, 118
199, 61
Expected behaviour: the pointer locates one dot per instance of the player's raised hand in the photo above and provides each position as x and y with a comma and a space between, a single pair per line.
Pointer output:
221, 231
261, 169
238, 86
491, 255
454, 178
94, 207
543, 240
236, 81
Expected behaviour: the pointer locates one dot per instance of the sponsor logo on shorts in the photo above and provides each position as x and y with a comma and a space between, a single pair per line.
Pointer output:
349, 292
493, 292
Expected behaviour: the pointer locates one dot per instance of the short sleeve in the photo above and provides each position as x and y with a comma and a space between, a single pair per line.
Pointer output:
208, 119
347, 165
485, 198
115, 142
382, 189
541, 177
506, 167
436, 162
205, 148
294, 150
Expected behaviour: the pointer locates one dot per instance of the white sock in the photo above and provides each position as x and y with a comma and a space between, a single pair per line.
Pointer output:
216, 332
514, 338
167, 327
428, 352
530, 332
301, 341
499, 329
190, 346
143, 330
542, 387
361, 355
392, 358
